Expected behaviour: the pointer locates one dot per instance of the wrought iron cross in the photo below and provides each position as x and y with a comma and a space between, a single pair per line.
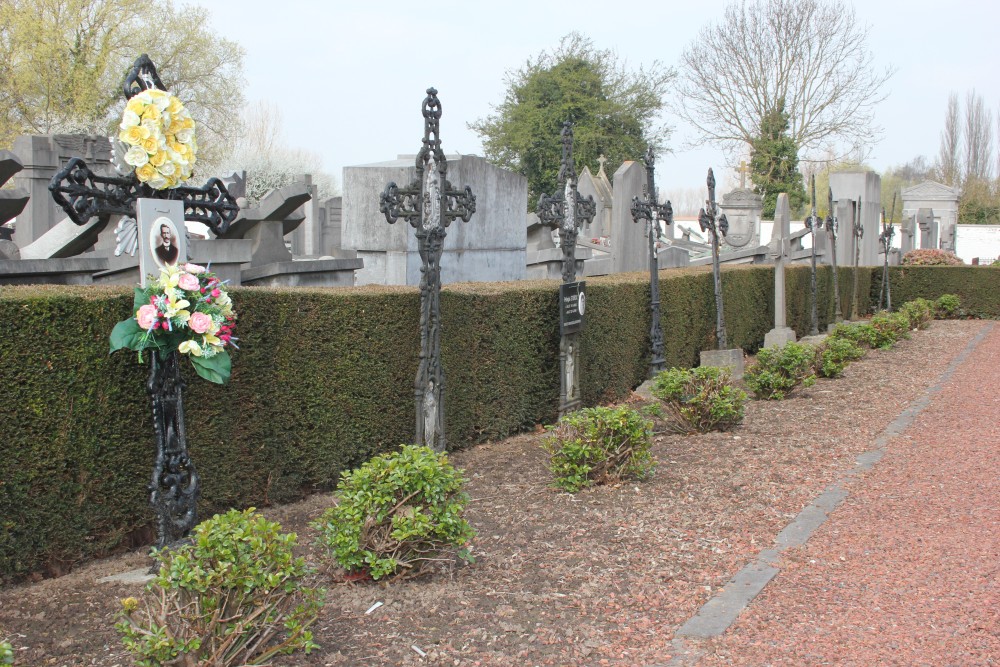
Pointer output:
651, 210
831, 224
429, 203
814, 224
858, 230
710, 220
83, 195
885, 240
567, 210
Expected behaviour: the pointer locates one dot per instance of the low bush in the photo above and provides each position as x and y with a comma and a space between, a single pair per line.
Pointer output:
834, 354
6, 653
931, 257
233, 595
599, 445
920, 312
863, 335
396, 514
699, 400
780, 369
947, 306
891, 328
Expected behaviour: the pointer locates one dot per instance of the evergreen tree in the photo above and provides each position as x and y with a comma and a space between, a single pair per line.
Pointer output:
613, 110
774, 163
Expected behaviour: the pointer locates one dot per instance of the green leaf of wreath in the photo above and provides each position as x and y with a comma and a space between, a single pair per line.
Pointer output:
214, 369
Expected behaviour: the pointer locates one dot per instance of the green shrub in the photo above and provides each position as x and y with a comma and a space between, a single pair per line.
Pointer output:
931, 257
699, 400
834, 354
780, 369
947, 306
599, 445
233, 595
920, 312
6, 653
859, 333
890, 328
396, 514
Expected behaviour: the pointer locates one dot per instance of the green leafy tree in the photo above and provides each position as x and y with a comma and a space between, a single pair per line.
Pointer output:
613, 110
63, 62
774, 163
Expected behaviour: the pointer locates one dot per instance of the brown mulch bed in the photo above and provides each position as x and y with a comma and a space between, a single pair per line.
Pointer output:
603, 577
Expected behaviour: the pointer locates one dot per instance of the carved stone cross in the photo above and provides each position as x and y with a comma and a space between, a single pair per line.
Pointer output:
744, 170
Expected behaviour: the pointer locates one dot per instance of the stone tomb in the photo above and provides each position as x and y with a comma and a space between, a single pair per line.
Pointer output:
490, 248
942, 200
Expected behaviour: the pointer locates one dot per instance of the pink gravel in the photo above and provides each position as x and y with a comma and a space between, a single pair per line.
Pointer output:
907, 570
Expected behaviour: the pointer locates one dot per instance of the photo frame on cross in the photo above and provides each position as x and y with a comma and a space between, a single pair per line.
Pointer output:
162, 236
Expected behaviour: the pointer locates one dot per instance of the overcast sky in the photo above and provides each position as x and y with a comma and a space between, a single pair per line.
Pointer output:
349, 77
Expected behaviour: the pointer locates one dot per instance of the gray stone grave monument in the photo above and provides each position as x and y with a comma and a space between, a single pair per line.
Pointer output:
864, 188
928, 226
742, 208
628, 240
599, 187
493, 251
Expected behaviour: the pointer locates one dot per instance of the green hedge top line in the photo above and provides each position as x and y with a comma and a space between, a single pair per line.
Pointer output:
324, 380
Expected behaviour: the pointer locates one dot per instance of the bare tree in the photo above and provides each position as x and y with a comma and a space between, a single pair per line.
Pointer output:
978, 139
811, 53
268, 161
951, 141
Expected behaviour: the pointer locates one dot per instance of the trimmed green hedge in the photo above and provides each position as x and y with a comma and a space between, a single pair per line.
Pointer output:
323, 381
976, 286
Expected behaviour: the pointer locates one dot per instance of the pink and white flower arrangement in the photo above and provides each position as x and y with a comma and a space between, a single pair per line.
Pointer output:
187, 310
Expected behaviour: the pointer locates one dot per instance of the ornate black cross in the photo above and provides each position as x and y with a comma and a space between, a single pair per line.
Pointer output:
429, 203
567, 210
831, 224
885, 240
710, 220
83, 195
814, 224
652, 211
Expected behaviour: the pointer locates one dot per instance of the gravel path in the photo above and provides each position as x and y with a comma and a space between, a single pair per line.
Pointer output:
907, 570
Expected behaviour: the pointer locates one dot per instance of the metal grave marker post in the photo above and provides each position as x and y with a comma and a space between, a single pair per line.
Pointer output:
813, 224
859, 232
429, 203
83, 195
652, 211
567, 211
831, 226
710, 220
885, 240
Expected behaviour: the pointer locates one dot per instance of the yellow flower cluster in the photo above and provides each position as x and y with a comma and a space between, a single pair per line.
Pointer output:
159, 133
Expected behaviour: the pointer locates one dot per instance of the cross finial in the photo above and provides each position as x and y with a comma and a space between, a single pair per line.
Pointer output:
601, 160
744, 170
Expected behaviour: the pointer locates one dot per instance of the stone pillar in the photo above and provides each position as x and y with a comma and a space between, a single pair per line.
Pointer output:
907, 232
928, 228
